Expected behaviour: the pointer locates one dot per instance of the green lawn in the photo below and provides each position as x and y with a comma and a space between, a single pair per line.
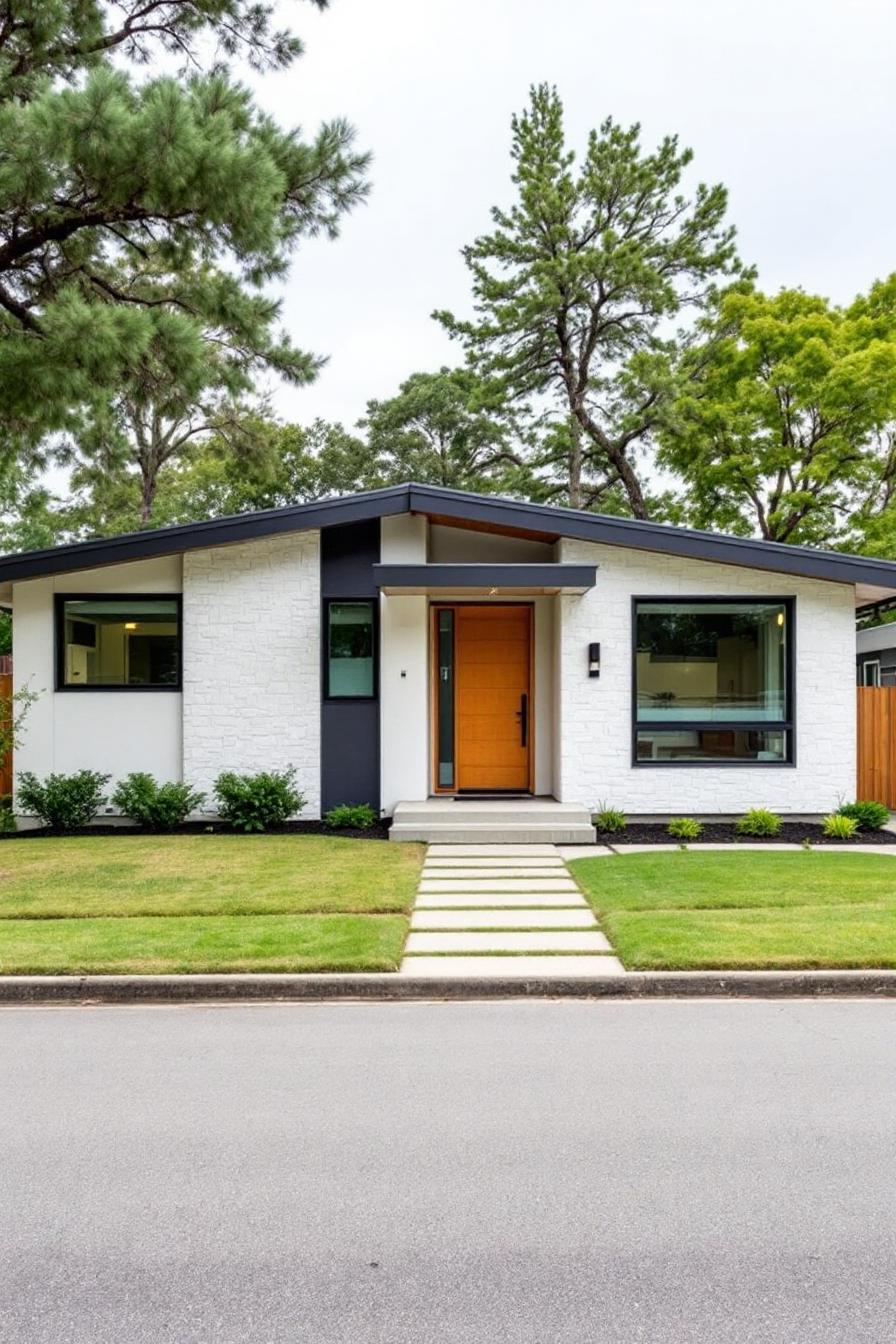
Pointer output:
694, 910
204, 875
145, 904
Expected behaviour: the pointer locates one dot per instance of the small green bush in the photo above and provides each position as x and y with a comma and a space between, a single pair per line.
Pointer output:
353, 816
759, 821
838, 827
685, 828
255, 802
63, 802
609, 820
868, 816
158, 807
7, 819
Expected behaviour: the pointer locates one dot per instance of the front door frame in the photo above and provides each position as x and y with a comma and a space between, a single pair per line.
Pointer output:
435, 607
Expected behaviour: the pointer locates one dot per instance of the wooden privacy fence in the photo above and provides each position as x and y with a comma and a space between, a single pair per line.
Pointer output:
876, 725
5, 710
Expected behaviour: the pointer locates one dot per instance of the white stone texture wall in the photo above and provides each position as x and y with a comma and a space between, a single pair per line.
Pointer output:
252, 661
594, 719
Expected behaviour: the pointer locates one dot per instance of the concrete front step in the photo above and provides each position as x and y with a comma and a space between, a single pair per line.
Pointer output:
500, 968
488, 834
502, 919
578, 940
499, 900
492, 821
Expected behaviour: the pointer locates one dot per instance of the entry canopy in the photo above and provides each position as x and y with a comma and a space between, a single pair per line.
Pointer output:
485, 580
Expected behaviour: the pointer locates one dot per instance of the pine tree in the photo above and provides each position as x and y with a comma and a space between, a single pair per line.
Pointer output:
577, 287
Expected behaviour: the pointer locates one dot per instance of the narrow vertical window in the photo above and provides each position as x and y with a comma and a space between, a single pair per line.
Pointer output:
351, 651
445, 695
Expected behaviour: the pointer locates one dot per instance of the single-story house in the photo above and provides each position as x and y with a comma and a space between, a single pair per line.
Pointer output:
472, 666
876, 655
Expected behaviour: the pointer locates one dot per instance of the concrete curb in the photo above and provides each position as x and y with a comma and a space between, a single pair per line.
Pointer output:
93, 989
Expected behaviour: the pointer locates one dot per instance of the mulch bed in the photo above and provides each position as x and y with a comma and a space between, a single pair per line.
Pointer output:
723, 832
379, 831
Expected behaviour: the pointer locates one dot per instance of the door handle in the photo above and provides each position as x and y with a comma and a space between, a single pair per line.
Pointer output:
523, 715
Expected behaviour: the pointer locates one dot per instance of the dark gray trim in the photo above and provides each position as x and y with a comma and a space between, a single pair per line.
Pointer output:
61, 686
454, 577
242, 527
546, 520
787, 726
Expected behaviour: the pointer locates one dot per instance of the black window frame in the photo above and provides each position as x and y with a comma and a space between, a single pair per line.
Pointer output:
373, 603
786, 726
60, 599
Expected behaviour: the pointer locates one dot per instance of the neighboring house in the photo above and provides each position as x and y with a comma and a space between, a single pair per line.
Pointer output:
425, 649
876, 656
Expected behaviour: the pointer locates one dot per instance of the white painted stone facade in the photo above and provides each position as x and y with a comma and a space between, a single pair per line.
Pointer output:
594, 716
251, 694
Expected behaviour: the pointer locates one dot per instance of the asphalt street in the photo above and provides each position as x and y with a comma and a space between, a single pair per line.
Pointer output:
411, 1173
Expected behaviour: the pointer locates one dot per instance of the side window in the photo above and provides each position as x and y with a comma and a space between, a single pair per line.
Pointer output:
118, 643
350, 650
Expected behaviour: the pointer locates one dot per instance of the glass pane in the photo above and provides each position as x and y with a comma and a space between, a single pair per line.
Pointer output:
351, 650
121, 643
711, 744
871, 673
446, 699
711, 660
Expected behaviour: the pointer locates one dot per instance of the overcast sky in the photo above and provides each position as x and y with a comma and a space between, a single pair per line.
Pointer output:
789, 103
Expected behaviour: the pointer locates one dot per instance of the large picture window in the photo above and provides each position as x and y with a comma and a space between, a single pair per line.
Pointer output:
351, 650
118, 643
713, 681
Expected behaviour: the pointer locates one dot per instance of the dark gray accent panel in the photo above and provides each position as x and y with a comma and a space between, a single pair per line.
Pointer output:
349, 729
486, 576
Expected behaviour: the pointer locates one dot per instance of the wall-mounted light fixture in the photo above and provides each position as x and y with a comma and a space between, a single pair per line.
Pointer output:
594, 660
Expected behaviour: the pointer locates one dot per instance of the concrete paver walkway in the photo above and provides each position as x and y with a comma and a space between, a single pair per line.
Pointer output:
487, 910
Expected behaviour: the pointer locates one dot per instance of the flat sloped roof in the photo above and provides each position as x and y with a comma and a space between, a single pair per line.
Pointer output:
876, 577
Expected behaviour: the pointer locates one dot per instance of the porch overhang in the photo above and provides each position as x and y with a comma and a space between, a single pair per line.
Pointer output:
485, 580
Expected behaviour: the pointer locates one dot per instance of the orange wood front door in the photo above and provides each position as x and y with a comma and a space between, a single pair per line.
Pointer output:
492, 671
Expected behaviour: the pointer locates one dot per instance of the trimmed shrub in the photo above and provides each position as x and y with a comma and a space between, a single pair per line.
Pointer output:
609, 820
685, 828
158, 807
351, 816
255, 802
759, 821
63, 802
838, 827
868, 816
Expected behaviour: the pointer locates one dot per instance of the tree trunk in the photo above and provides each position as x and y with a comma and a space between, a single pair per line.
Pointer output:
574, 468
147, 495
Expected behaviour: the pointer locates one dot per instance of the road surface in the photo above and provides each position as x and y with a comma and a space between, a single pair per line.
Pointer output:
464, 1173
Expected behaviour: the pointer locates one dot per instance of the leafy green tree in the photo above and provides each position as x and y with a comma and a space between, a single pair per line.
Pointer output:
577, 286
138, 214
5, 632
288, 464
29, 519
443, 429
785, 427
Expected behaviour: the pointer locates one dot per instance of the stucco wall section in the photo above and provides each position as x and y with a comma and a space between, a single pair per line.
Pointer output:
252, 661
114, 732
595, 718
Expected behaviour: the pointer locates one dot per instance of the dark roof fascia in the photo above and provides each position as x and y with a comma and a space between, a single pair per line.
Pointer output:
661, 538
198, 536
458, 576
549, 519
